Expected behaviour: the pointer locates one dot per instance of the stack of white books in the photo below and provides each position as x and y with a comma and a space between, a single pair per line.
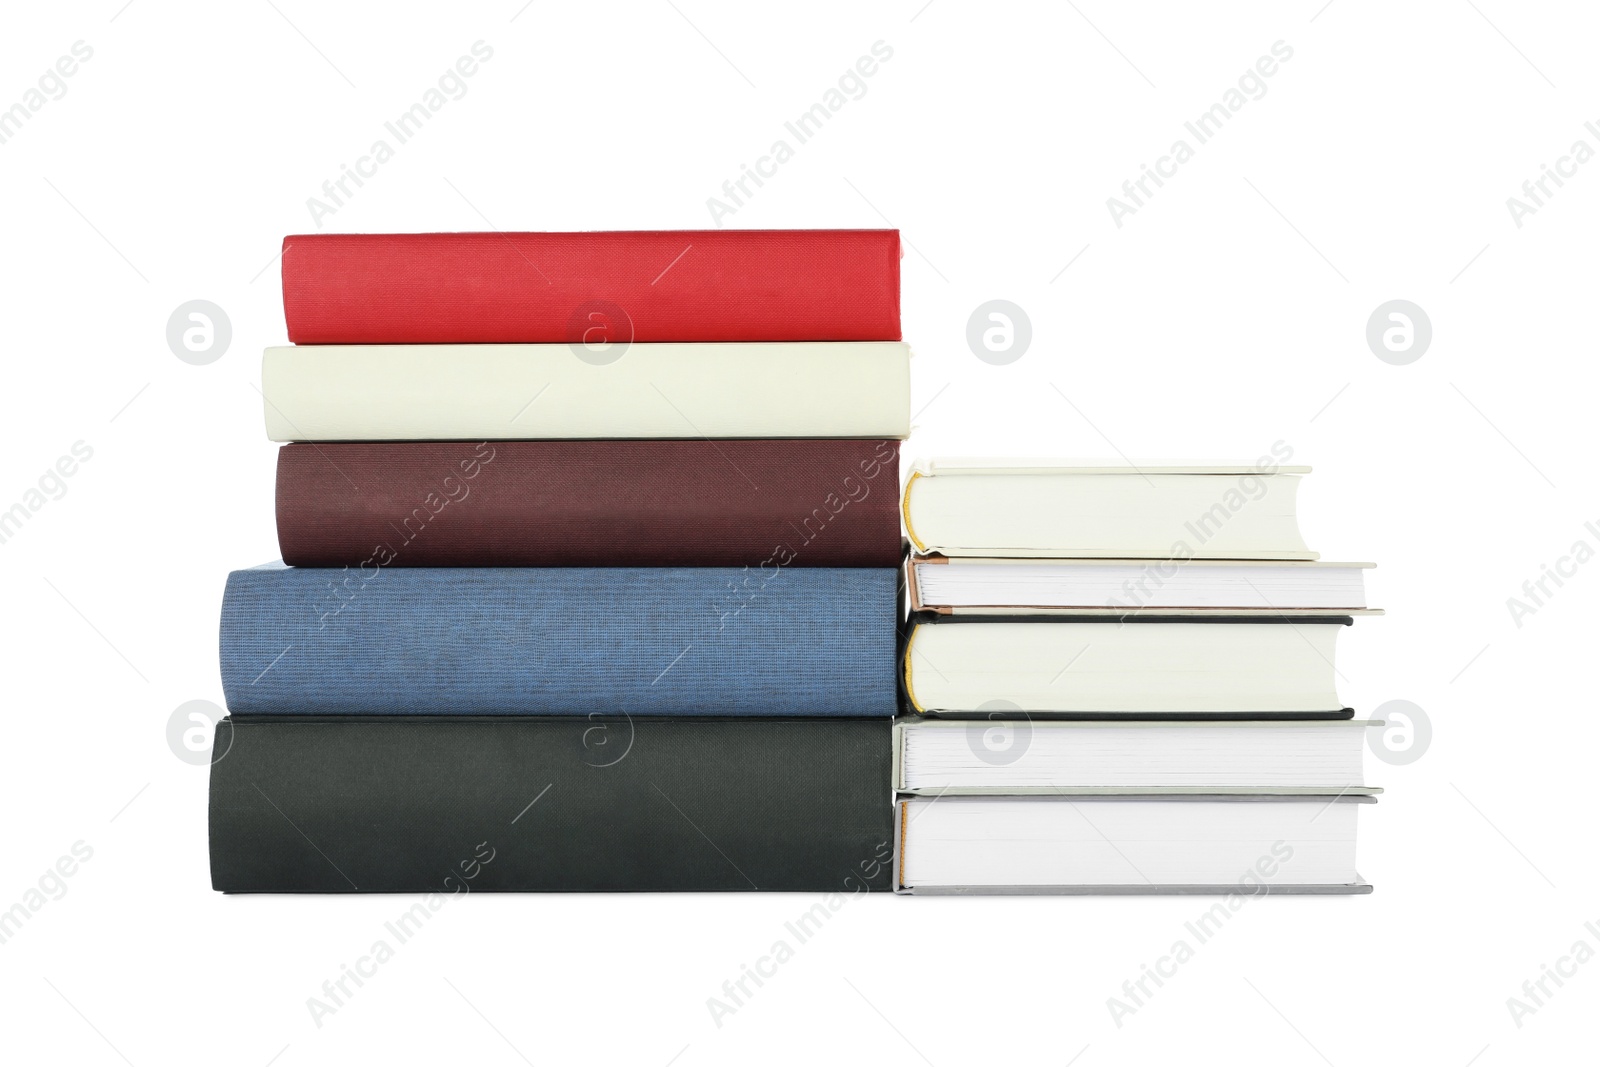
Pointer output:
1120, 679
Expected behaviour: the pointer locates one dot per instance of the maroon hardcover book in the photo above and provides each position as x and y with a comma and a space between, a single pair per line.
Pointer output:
809, 503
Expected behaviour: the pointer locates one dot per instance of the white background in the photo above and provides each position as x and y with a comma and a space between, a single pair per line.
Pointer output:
1225, 315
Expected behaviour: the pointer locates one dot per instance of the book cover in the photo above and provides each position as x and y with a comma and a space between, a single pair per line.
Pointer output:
674, 285
508, 392
1052, 509
1237, 846
1027, 756
813, 503
452, 806
1222, 666
1001, 585
768, 640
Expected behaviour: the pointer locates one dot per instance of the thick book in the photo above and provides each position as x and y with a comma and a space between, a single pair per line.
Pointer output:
747, 641
1140, 665
1052, 757
674, 285
978, 585
408, 392
1237, 846
1053, 509
451, 806
813, 503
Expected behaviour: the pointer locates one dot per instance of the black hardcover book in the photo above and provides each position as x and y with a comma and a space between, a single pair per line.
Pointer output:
512, 804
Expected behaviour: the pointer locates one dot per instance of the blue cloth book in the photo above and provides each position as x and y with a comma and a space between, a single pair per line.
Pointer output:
779, 641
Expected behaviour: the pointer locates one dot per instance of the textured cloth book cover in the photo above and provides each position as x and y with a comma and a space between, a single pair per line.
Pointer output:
592, 804
405, 392
675, 285
758, 641
819, 503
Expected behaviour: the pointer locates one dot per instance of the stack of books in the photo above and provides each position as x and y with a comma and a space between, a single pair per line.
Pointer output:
590, 575
1121, 679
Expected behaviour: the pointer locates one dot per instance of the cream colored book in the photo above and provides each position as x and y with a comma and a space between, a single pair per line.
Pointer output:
489, 392
1281, 667
1056, 509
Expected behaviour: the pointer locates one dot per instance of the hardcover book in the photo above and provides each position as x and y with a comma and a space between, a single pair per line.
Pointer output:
1051, 509
1225, 845
451, 805
977, 585
410, 392
648, 286
1052, 757
750, 641
1141, 665
814, 503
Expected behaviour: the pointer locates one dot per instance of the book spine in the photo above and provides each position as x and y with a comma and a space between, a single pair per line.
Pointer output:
812, 503
594, 804
373, 639
463, 392
692, 285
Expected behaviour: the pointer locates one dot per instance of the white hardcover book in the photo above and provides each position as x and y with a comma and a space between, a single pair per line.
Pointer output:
1111, 668
973, 585
1245, 846
1040, 508
1055, 757
488, 392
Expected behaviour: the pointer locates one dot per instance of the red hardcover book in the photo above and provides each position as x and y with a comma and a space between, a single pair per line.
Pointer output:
672, 285
697, 503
